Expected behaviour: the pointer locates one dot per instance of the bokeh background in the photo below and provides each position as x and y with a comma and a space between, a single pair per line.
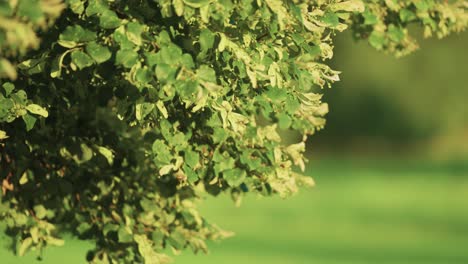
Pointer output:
391, 169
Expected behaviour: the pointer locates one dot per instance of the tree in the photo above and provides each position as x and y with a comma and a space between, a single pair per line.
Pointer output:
117, 116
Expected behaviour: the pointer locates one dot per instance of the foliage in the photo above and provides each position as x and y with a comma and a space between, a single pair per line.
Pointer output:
128, 112
385, 25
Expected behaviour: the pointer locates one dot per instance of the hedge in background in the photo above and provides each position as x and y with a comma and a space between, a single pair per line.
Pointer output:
117, 116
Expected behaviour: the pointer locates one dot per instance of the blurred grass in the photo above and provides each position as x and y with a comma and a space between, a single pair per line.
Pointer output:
360, 212
356, 214
387, 105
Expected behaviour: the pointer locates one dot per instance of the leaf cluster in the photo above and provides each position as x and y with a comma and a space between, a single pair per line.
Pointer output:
116, 117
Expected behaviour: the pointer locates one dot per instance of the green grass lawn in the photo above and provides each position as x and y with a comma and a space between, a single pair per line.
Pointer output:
378, 214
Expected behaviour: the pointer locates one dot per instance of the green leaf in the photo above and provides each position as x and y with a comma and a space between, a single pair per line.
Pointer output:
25, 245
109, 20
370, 18
74, 35
124, 236
34, 232
170, 55
253, 163
147, 252
407, 15
187, 61
83, 227
29, 120
107, 153
162, 108
147, 204
81, 59
96, 7
349, 6
134, 31
396, 33
234, 177
192, 176
77, 6
126, 58
176, 240
86, 153
423, 5
219, 134
57, 64
162, 152
223, 163
206, 39
197, 3
6, 113
8, 87
109, 227
142, 110
37, 109
20, 97
296, 151
284, 121
24, 179
188, 89
206, 73
377, 40
3, 135
99, 53
178, 7
31, 10
143, 75
165, 72
331, 19
151, 58
40, 211
164, 38
276, 94
191, 158
33, 66
54, 241
121, 38
164, 170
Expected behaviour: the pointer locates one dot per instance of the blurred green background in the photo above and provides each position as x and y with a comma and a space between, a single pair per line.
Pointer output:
391, 169
387, 106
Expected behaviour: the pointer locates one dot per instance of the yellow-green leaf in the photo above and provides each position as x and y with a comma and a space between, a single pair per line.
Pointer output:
107, 153
3, 135
37, 109
25, 245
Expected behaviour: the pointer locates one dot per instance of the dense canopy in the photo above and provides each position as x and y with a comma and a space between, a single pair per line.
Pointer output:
117, 116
